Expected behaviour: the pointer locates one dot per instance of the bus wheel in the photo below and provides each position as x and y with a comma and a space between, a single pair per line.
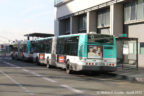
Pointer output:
68, 68
12, 57
23, 59
37, 61
16, 57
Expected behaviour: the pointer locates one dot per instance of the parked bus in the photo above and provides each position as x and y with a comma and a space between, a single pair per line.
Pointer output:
22, 50
41, 50
79, 52
25, 51
14, 51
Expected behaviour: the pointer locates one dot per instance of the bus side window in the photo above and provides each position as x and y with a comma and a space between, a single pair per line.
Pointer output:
71, 46
60, 46
67, 46
48, 46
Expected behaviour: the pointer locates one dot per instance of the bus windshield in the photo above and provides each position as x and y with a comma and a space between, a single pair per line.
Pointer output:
104, 39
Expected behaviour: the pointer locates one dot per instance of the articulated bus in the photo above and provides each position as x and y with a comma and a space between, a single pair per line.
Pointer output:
41, 49
14, 51
78, 52
25, 52
22, 50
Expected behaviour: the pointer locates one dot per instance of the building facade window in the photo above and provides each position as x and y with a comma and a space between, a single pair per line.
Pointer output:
103, 18
140, 9
134, 10
67, 26
64, 26
133, 46
82, 24
142, 48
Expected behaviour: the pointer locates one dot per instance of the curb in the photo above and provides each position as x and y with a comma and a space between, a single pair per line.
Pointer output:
133, 79
141, 80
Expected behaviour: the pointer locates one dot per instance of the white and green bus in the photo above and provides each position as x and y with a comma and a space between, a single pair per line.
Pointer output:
41, 49
79, 52
25, 51
22, 50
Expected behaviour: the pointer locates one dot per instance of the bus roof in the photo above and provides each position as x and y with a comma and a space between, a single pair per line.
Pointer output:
72, 35
40, 39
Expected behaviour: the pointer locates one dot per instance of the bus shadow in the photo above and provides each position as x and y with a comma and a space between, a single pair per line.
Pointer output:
105, 74
81, 75
96, 75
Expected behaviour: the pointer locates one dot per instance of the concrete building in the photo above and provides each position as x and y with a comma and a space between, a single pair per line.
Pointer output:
114, 17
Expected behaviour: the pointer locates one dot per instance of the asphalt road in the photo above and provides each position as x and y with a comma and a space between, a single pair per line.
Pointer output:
19, 78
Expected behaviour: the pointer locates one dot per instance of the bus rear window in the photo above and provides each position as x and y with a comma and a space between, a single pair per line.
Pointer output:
94, 51
104, 39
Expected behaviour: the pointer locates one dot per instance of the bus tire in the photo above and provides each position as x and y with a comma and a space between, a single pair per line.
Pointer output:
69, 68
16, 57
12, 57
37, 61
23, 58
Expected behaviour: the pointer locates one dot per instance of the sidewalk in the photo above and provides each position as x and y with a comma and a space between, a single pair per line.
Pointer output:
131, 74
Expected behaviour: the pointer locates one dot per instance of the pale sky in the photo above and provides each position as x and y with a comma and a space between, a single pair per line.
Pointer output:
18, 17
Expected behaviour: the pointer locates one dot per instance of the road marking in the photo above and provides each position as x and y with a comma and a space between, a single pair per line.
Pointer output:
38, 75
50, 80
25, 70
72, 89
45, 78
34, 73
11, 65
20, 85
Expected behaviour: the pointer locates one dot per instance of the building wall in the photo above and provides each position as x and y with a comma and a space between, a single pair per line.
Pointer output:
91, 21
104, 31
137, 31
77, 5
116, 19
